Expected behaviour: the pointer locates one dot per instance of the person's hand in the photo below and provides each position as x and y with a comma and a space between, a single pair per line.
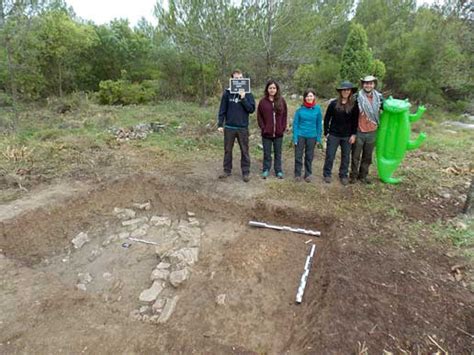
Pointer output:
220, 129
352, 139
242, 94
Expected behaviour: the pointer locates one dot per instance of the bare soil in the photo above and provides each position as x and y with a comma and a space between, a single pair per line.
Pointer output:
384, 296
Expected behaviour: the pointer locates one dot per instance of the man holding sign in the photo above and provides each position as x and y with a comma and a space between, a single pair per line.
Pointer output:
237, 103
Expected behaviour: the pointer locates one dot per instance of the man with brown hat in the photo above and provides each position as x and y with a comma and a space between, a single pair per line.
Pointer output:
370, 103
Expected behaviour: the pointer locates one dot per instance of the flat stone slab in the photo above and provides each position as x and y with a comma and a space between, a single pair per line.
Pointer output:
163, 265
135, 221
149, 295
160, 274
168, 309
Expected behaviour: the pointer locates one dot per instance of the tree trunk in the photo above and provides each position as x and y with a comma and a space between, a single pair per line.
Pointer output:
470, 197
60, 74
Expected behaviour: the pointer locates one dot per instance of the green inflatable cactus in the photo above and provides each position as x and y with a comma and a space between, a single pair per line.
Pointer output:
393, 137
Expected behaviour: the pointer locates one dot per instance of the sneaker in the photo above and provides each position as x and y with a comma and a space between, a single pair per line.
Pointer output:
224, 175
265, 174
279, 175
344, 181
327, 179
246, 178
308, 178
352, 180
298, 179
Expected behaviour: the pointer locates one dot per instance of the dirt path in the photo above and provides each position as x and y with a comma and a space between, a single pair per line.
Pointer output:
383, 295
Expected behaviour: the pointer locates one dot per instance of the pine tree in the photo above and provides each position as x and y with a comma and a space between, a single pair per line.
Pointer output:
356, 60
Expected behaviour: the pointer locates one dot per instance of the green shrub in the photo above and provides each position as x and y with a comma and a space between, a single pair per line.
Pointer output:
123, 92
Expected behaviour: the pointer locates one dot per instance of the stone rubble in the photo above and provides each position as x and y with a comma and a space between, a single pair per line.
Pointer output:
124, 213
79, 240
178, 248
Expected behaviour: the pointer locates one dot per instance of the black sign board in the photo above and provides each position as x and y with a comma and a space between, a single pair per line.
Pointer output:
238, 84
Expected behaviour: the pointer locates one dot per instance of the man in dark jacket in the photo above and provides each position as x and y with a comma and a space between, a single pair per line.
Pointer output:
233, 120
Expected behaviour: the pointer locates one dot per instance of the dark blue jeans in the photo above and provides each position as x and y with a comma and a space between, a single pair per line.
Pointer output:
305, 145
268, 143
333, 143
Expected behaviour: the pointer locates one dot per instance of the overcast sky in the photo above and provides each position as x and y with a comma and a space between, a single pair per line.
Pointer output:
103, 11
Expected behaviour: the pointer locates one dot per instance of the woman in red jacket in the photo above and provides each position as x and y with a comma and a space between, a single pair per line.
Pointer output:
272, 119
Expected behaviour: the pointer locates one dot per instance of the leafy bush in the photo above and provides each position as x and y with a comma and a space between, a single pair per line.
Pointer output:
5, 99
123, 92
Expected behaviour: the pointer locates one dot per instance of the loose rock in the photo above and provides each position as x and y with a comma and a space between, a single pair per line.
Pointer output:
179, 276
80, 239
142, 206
188, 256
94, 255
160, 274
84, 278
124, 213
160, 221
135, 221
150, 295
220, 299
164, 248
158, 305
168, 309
163, 265
140, 232
81, 287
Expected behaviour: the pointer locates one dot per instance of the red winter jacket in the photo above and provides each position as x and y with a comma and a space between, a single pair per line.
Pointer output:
271, 123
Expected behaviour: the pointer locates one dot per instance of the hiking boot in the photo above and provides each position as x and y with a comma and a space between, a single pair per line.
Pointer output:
308, 178
265, 174
352, 180
327, 179
366, 181
298, 179
344, 181
224, 175
279, 175
246, 178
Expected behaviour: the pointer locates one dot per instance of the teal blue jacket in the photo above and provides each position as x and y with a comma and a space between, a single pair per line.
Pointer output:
308, 123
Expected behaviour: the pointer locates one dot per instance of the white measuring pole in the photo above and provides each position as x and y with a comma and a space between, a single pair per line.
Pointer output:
304, 277
284, 228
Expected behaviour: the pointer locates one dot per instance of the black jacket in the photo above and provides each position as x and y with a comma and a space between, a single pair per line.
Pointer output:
235, 112
340, 123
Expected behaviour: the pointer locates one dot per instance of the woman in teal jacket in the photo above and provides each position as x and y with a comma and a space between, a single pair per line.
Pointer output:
307, 131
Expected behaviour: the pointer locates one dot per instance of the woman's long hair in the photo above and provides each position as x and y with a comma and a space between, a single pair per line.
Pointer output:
277, 99
347, 107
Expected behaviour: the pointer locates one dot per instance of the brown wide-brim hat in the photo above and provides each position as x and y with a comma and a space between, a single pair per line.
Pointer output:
368, 78
346, 85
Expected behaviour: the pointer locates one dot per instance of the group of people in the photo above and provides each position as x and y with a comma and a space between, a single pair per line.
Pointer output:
350, 122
